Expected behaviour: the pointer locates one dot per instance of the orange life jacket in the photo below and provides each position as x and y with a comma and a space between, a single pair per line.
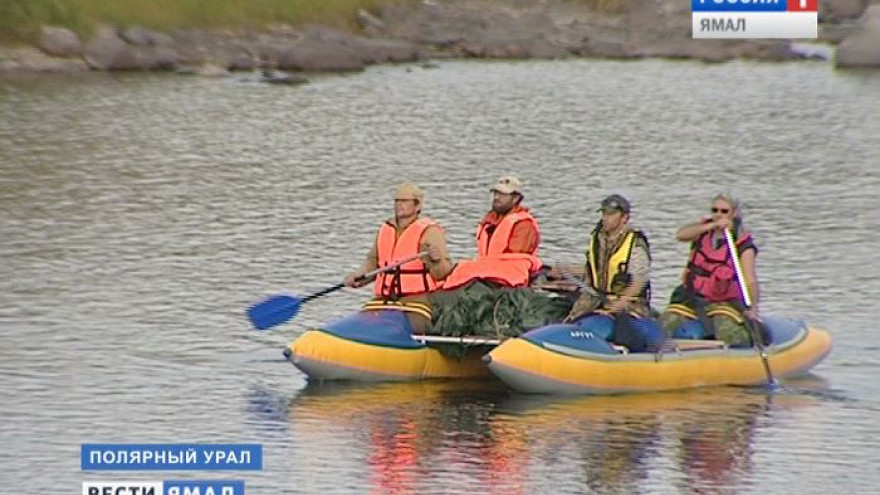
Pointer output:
495, 242
410, 278
710, 272
493, 263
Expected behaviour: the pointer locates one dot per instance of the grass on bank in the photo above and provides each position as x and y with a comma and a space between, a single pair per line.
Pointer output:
21, 19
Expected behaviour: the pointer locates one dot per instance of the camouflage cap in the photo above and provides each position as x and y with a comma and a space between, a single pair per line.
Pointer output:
615, 202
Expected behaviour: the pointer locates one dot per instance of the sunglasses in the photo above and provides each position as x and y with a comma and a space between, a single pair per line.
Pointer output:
721, 210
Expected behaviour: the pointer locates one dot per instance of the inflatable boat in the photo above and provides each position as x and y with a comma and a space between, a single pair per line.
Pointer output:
577, 359
380, 346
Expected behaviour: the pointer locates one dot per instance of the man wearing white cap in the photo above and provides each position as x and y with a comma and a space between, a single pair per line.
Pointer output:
406, 234
507, 241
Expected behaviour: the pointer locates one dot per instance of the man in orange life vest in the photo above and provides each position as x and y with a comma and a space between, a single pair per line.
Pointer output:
507, 242
710, 289
406, 288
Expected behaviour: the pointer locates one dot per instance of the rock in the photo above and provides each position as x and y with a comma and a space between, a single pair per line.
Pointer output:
212, 70
715, 52
323, 49
60, 42
158, 58
836, 33
606, 49
30, 59
438, 25
832, 11
541, 48
141, 36
372, 50
107, 51
369, 50
370, 24
491, 30
243, 62
658, 21
862, 48
412, 31
318, 56
513, 48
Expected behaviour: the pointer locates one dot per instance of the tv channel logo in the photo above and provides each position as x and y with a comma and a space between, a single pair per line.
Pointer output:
167, 487
740, 19
170, 456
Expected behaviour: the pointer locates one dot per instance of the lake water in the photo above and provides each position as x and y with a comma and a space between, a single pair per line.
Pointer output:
141, 214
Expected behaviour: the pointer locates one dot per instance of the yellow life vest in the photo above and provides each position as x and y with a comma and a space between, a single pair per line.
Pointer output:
616, 274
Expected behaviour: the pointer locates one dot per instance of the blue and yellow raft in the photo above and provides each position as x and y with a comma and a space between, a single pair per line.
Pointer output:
379, 346
573, 359
555, 359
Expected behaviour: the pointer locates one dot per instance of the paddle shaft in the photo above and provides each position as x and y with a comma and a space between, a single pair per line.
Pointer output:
734, 254
747, 300
571, 277
366, 276
389, 268
280, 309
323, 292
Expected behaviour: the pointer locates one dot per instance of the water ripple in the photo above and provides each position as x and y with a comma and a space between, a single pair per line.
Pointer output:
142, 214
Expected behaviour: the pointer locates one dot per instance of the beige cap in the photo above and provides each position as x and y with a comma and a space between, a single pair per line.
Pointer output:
408, 190
508, 184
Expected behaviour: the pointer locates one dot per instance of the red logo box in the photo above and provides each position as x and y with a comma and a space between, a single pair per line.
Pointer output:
803, 6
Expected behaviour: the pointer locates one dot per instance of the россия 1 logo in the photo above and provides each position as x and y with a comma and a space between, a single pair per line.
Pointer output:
788, 19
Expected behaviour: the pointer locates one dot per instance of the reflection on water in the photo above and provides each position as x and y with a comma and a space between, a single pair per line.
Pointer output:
448, 437
140, 214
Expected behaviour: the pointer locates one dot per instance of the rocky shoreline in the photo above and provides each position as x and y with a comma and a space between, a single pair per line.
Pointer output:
497, 29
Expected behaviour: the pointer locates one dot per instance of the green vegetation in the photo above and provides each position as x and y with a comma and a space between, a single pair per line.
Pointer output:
21, 19
606, 5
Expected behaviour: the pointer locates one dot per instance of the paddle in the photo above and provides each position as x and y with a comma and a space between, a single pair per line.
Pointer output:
279, 309
750, 325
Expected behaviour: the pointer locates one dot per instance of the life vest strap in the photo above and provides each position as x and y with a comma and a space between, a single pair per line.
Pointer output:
696, 270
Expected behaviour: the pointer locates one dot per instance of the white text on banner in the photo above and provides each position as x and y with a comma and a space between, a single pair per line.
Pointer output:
737, 25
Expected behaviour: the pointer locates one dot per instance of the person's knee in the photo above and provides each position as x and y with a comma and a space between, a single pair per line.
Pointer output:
730, 331
420, 325
670, 321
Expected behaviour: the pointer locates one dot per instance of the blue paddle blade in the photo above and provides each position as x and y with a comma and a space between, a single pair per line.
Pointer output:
273, 311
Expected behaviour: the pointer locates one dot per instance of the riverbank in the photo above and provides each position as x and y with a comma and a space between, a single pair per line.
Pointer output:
349, 35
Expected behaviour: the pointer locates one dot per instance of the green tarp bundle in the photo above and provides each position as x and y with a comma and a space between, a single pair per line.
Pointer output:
488, 310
